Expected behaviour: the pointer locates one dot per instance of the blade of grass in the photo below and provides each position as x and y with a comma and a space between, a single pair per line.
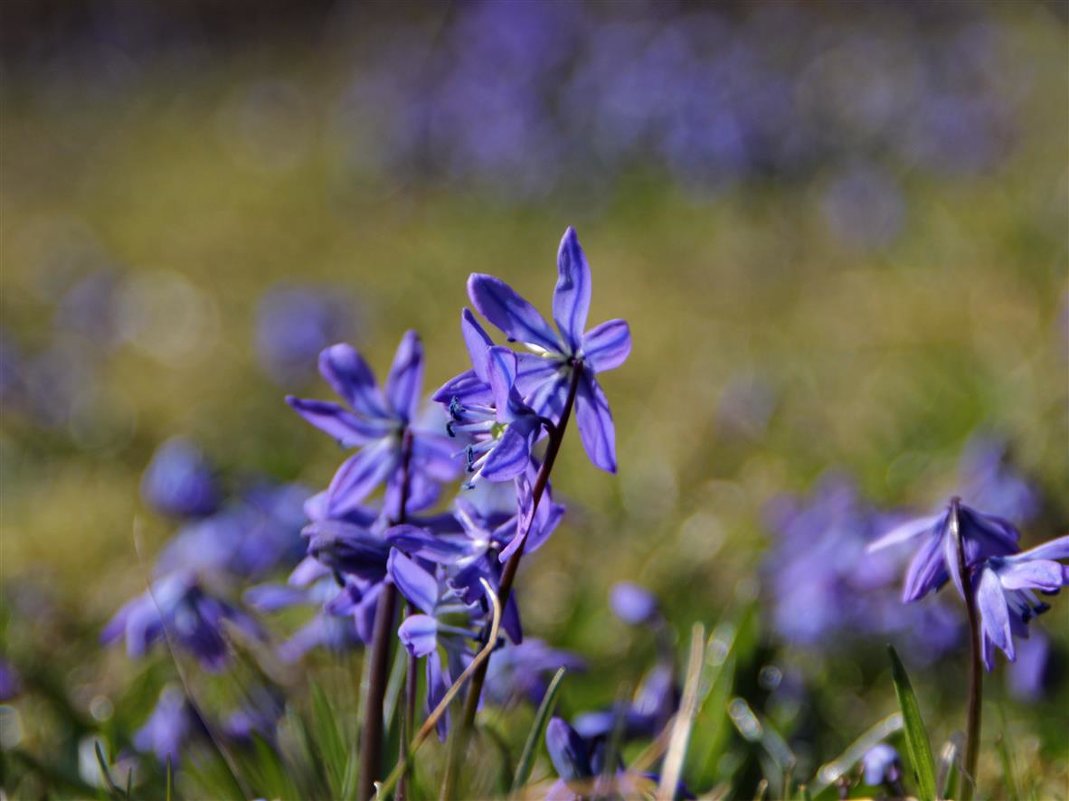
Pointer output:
534, 737
688, 708
918, 746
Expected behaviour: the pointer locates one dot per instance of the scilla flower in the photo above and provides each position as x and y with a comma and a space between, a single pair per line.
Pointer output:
559, 356
1006, 593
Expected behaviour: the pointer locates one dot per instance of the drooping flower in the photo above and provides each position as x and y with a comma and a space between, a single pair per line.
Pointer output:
180, 609
377, 422
1006, 588
560, 356
936, 560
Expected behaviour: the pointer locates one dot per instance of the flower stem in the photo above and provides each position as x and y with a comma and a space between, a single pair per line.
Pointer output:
976, 669
371, 736
458, 742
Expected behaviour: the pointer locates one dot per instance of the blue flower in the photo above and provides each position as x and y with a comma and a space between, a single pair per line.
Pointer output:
180, 609
1006, 590
882, 765
633, 604
936, 560
172, 724
544, 377
179, 481
376, 422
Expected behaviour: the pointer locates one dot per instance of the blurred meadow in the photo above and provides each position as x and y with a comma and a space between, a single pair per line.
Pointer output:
837, 230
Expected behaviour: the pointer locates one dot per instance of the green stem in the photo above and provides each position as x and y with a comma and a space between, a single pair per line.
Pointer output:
458, 742
976, 671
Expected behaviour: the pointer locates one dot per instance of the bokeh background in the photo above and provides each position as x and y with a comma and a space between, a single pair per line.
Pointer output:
838, 231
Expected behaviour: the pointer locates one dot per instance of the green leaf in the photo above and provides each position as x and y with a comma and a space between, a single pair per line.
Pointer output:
545, 709
328, 739
918, 746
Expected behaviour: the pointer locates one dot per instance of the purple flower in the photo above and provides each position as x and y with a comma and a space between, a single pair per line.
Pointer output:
179, 481
376, 422
249, 538
936, 560
544, 377
989, 480
169, 728
1029, 677
882, 765
633, 604
180, 609
522, 671
293, 324
1006, 590
10, 682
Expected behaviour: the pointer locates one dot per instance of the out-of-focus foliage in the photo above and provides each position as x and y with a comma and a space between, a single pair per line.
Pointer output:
837, 231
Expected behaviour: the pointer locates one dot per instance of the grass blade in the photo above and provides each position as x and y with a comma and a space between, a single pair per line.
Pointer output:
918, 746
688, 708
545, 710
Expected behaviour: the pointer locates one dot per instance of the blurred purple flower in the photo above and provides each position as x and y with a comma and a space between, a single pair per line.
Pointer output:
989, 481
523, 671
295, 323
633, 604
172, 724
10, 681
180, 481
1028, 677
882, 766
179, 609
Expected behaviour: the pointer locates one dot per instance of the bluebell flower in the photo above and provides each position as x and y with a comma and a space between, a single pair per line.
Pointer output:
1029, 677
881, 765
654, 702
170, 727
252, 537
293, 324
543, 378
444, 619
989, 481
180, 481
633, 604
522, 671
376, 422
180, 609
936, 560
1006, 597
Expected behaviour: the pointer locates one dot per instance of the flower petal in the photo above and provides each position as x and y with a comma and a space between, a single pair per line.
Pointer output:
501, 370
994, 614
478, 342
926, 572
419, 634
435, 456
905, 531
567, 751
499, 303
595, 423
1055, 549
607, 346
512, 453
348, 429
360, 474
571, 296
415, 583
467, 388
1034, 574
405, 380
351, 377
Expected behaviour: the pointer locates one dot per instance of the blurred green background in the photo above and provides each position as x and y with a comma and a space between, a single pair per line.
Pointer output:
199, 155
